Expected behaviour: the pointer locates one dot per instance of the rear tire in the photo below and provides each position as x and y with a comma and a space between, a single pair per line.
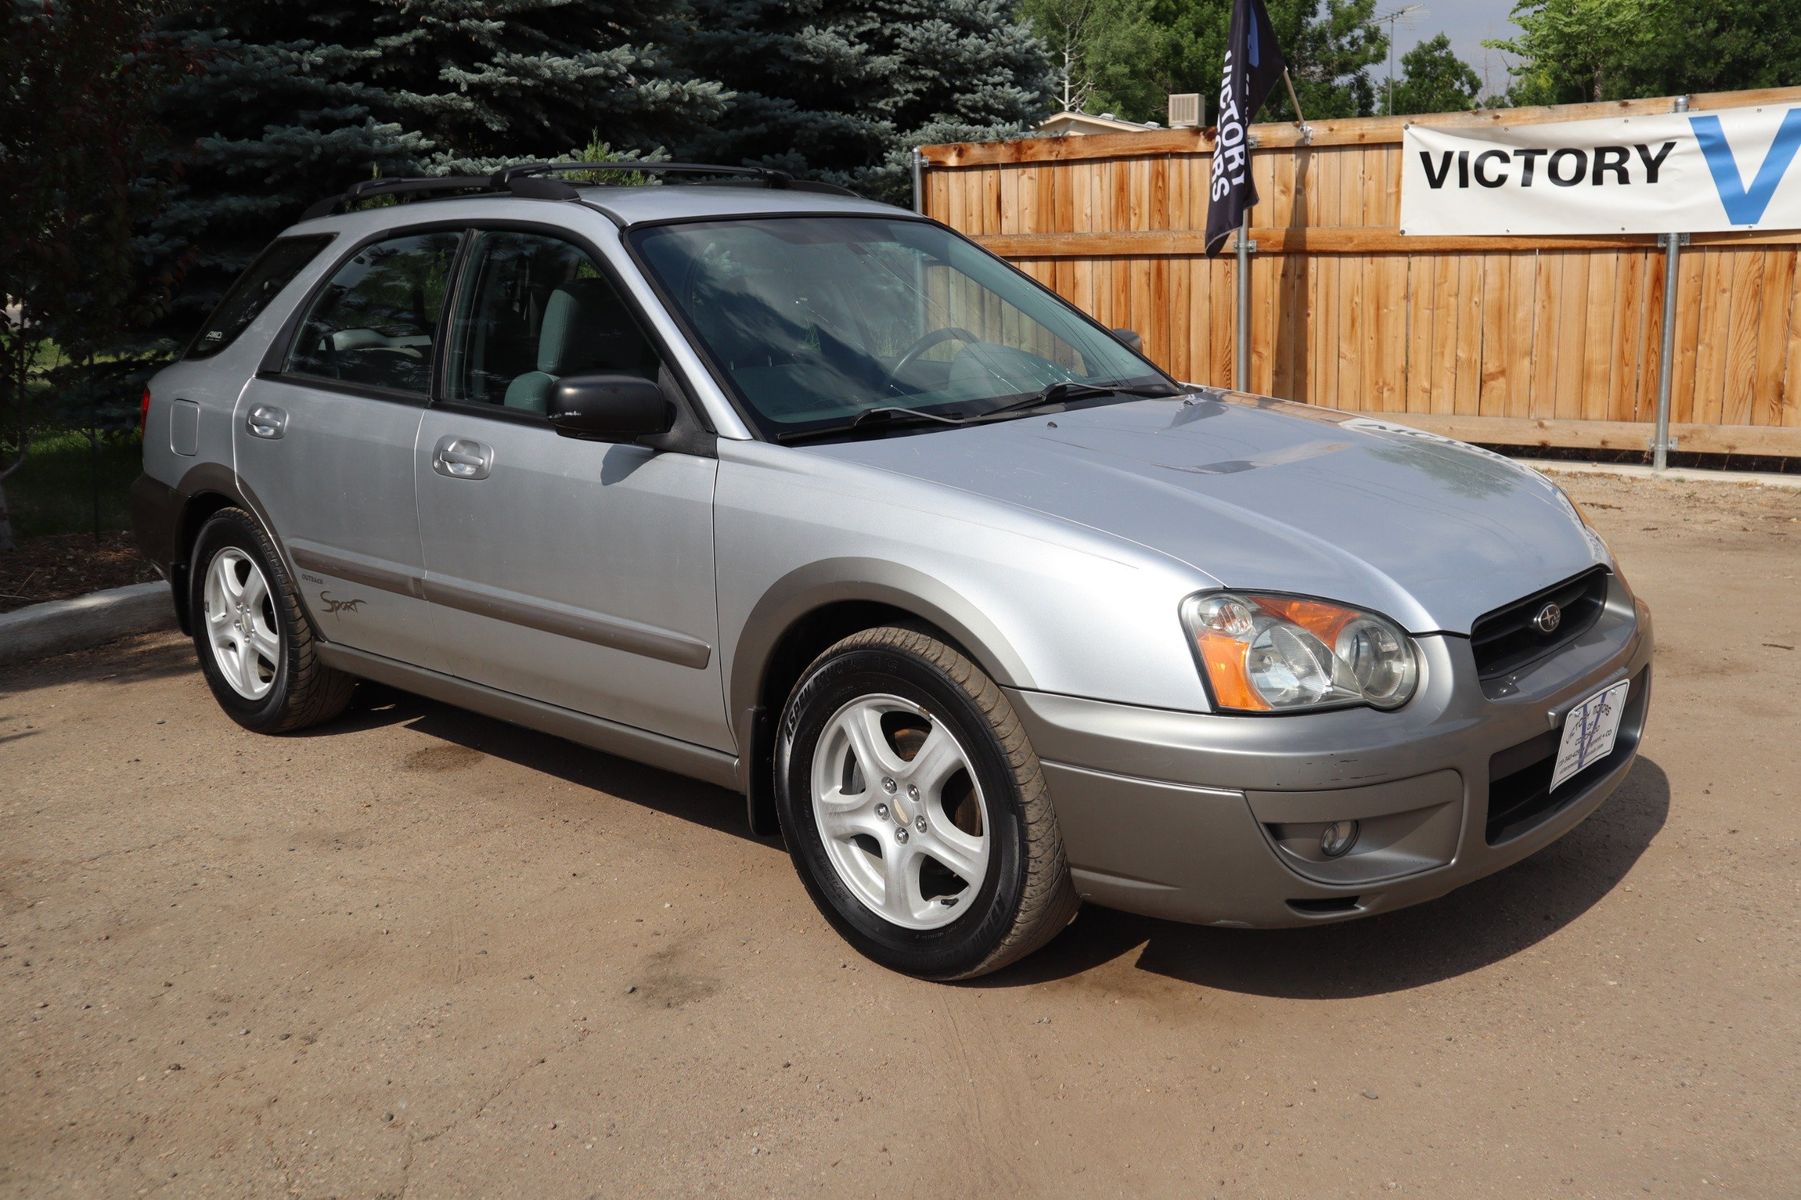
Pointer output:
915, 810
257, 648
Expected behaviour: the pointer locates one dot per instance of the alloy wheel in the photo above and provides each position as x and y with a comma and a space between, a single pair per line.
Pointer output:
900, 812
240, 623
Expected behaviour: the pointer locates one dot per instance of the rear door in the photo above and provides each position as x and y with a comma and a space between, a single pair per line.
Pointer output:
324, 439
576, 573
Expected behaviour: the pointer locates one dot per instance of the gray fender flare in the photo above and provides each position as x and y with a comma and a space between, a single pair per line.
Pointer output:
840, 580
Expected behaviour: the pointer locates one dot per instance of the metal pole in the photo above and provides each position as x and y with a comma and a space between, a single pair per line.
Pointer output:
1660, 444
919, 191
1241, 374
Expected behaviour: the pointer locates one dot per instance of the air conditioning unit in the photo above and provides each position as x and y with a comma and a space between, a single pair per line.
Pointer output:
1184, 110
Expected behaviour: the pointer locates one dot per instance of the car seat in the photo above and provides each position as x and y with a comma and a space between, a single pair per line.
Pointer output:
587, 328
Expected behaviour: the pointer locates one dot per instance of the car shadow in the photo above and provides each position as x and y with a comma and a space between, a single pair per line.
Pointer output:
377, 705
1476, 926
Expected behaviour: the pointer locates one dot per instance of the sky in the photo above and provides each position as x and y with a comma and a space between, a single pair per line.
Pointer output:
1467, 22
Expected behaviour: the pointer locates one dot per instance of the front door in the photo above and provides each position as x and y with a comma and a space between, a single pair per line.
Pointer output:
325, 444
575, 573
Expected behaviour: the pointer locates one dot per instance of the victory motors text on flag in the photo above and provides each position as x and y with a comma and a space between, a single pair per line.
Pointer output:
1692, 172
1253, 65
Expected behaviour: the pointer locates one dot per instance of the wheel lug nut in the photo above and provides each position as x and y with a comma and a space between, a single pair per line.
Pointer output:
881, 810
888, 786
919, 823
900, 835
912, 792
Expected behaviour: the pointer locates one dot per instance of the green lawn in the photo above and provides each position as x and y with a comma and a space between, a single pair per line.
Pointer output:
54, 491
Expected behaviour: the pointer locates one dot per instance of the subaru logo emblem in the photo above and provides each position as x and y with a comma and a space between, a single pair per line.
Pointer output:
1548, 619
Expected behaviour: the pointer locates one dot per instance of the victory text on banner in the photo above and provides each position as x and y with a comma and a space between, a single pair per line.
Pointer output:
1698, 172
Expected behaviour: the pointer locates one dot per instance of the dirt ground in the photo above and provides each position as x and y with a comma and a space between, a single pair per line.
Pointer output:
64, 565
418, 951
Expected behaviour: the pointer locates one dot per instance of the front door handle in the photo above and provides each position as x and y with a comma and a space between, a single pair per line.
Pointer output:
461, 458
267, 421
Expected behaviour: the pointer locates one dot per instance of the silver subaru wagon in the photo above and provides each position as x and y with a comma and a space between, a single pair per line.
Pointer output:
810, 497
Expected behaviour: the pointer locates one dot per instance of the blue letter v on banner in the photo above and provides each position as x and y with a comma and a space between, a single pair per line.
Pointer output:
1745, 206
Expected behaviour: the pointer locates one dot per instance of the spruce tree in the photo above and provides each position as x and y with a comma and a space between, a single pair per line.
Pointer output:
274, 112
499, 80
843, 91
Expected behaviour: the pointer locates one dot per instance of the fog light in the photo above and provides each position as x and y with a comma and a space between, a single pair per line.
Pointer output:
1338, 838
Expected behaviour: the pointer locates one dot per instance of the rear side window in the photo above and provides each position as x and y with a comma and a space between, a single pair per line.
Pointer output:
272, 271
373, 322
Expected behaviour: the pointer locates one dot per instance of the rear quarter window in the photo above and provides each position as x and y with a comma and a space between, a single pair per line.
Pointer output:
272, 271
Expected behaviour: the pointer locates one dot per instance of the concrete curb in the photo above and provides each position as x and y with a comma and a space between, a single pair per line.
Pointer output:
1673, 474
62, 625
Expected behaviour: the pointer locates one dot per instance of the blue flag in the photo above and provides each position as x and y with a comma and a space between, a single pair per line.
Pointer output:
1253, 65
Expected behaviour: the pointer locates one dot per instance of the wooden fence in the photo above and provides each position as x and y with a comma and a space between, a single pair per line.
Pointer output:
1506, 340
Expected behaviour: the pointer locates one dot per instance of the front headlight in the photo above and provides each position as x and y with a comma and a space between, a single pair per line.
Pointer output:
1285, 653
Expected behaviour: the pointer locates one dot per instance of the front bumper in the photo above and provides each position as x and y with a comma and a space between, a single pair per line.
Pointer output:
1214, 819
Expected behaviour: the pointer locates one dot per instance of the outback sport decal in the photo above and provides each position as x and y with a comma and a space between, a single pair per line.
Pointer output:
332, 606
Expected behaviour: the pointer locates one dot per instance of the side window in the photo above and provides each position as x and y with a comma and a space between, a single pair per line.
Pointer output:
272, 271
533, 309
374, 321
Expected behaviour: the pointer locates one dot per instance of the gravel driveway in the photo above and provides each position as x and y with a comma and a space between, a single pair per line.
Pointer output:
420, 951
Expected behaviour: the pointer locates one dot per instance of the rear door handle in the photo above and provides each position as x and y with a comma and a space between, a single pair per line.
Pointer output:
267, 421
461, 458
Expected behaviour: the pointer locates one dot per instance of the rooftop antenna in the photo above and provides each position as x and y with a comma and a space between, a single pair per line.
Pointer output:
1392, 17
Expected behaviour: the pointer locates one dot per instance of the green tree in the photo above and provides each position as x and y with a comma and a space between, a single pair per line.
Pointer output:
1144, 49
1067, 29
1331, 46
76, 132
275, 112
493, 80
843, 91
1433, 79
1571, 51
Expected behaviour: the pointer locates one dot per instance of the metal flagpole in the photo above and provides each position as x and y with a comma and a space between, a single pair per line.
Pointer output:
1660, 443
1241, 373
919, 195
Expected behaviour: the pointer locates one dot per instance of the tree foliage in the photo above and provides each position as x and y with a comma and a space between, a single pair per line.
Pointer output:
487, 80
1580, 50
843, 91
1142, 50
1433, 79
1067, 28
76, 136
275, 110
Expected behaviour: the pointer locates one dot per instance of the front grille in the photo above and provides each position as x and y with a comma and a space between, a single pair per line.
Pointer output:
1506, 639
1519, 777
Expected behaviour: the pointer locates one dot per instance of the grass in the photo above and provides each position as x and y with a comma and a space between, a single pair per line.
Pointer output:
54, 492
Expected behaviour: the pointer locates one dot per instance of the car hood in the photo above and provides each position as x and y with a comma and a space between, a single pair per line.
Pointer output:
1262, 494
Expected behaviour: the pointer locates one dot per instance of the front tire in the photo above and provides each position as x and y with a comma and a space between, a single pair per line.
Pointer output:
915, 810
255, 643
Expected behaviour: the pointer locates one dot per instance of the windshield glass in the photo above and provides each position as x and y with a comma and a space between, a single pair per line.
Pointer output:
814, 320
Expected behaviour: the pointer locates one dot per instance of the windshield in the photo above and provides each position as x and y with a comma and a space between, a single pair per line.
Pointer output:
815, 320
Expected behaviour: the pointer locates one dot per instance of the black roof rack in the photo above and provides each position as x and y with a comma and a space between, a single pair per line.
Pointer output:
764, 175
530, 180
370, 188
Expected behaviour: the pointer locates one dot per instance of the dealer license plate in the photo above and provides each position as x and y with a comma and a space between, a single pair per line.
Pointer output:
1589, 732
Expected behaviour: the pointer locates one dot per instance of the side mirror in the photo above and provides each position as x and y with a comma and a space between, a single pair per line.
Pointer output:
1130, 338
609, 408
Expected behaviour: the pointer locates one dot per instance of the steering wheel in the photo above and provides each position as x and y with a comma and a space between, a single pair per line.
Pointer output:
948, 334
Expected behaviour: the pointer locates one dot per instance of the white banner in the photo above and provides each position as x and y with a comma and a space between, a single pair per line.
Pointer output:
1695, 172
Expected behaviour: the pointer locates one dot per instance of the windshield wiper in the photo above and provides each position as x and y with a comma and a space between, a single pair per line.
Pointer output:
886, 417
1065, 390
